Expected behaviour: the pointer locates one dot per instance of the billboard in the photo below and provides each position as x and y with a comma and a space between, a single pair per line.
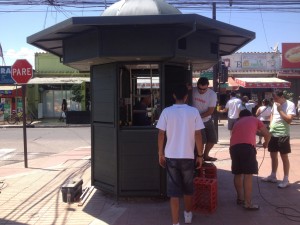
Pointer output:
5, 75
252, 61
290, 55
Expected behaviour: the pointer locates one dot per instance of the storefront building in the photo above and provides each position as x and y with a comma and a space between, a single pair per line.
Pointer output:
10, 94
11, 99
53, 82
254, 74
290, 69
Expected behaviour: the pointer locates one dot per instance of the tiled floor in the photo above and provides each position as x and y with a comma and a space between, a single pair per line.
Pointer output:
33, 196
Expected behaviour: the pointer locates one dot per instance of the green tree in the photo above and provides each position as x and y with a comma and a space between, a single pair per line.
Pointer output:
76, 91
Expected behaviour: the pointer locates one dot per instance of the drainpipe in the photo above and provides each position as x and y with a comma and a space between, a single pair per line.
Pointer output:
190, 68
193, 30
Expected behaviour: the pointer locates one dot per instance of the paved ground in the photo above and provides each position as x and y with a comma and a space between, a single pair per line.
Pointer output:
33, 195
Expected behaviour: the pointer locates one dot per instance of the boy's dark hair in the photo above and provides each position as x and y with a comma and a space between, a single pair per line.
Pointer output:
180, 91
245, 99
278, 92
203, 81
266, 102
233, 94
245, 112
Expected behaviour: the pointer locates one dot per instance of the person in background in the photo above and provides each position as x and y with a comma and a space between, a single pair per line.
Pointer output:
282, 115
1, 108
298, 107
232, 107
180, 125
1, 111
243, 155
263, 113
64, 109
247, 104
140, 114
205, 100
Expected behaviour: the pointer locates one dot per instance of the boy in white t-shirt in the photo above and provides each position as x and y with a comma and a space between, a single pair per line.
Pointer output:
181, 125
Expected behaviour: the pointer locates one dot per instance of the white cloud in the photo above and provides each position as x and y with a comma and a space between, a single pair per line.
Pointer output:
11, 55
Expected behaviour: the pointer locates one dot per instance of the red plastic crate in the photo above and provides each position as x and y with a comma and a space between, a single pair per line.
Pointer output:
205, 195
208, 170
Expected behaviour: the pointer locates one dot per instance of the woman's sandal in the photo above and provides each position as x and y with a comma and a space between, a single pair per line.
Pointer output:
240, 202
251, 207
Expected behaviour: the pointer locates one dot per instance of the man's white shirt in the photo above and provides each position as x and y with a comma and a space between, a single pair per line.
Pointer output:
204, 101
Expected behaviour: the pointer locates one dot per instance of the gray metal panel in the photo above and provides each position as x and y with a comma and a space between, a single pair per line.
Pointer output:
104, 158
103, 80
199, 46
82, 46
140, 42
104, 138
139, 168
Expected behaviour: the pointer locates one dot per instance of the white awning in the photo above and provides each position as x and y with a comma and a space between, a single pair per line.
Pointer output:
58, 80
9, 87
265, 82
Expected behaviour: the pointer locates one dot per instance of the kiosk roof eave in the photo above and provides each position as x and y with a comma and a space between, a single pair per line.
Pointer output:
51, 39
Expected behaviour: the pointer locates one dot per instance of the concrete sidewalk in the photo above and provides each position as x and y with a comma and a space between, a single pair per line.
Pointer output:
49, 122
56, 123
33, 195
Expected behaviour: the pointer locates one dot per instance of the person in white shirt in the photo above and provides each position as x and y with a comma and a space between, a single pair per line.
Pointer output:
298, 107
247, 104
181, 126
282, 115
232, 107
205, 100
263, 113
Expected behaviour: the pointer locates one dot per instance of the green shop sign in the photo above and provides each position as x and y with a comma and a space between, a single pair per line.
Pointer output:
225, 85
208, 74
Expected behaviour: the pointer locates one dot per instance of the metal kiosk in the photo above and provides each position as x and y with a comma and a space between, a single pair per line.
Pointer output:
130, 57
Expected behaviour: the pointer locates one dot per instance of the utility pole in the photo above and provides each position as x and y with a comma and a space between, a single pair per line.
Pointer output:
214, 14
215, 77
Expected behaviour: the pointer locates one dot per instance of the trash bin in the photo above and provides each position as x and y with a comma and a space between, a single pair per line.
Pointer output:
72, 190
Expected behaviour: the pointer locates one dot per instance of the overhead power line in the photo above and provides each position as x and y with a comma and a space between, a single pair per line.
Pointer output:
199, 5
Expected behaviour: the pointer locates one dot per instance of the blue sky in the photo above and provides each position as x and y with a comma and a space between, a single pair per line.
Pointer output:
270, 28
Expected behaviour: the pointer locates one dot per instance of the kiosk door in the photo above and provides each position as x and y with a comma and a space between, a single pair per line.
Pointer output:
173, 76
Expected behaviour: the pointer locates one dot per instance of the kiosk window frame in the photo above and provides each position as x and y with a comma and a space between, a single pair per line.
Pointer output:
139, 94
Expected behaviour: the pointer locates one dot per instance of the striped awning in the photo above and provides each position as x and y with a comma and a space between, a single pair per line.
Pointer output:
265, 82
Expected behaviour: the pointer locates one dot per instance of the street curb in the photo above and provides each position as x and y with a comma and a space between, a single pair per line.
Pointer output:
46, 126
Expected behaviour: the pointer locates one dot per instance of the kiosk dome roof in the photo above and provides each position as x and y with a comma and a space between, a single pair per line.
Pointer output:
140, 7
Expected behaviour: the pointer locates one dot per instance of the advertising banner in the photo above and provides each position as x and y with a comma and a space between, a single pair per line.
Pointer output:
290, 55
5, 75
252, 61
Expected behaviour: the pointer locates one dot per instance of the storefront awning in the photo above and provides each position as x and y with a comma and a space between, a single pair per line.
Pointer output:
288, 74
265, 82
58, 80
9, 88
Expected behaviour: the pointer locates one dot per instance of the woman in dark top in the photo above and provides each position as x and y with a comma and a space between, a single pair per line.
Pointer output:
64, 109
